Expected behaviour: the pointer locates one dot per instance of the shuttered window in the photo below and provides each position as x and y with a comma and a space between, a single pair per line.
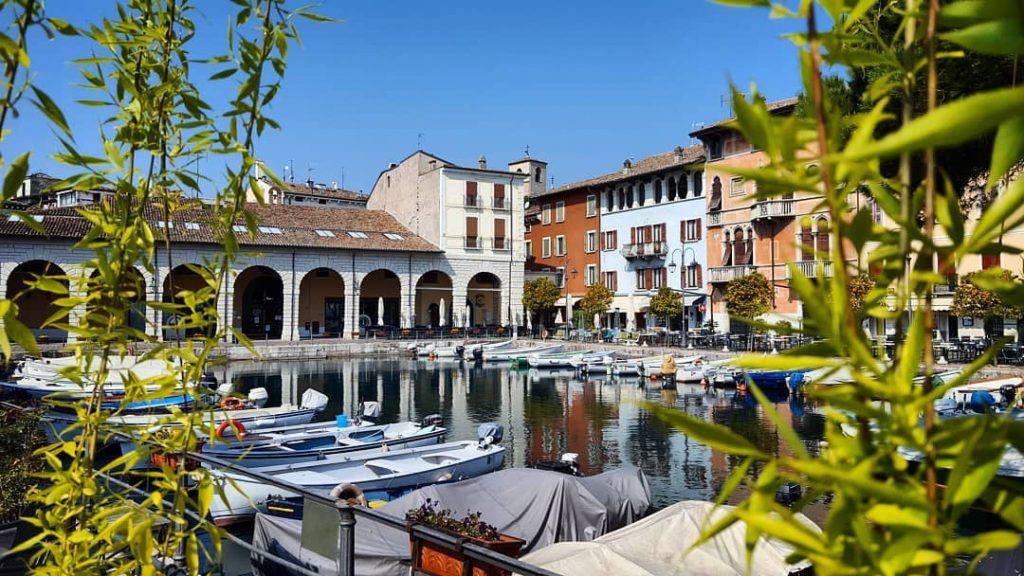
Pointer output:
499, 235
471, 232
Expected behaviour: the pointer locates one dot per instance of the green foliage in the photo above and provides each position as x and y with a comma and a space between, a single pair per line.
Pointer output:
596, 301
972, 301
666, 304
748, 297
19, 437
154, 123
540, 294
886, 516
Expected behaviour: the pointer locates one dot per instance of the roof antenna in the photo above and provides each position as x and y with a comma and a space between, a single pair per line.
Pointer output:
309, 174
419, 140
527, 151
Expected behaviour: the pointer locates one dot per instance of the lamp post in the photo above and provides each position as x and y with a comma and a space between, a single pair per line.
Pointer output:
684, 341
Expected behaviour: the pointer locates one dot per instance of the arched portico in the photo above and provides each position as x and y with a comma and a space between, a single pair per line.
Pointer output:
483, 300
132, 289
35, 306
321, 304
434, 292
380, 298
259, 300
183, 280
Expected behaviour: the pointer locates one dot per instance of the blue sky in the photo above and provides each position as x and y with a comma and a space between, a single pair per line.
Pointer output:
584, 84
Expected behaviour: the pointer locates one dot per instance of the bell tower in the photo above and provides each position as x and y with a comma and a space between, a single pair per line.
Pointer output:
536, 172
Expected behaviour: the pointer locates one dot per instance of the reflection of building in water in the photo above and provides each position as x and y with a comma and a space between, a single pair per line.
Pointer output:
568, 416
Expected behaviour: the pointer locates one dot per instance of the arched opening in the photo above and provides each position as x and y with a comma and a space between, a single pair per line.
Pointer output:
132, 290
806, 239
822, 242
671, 189
186, 280
684, 186
622, 198
536, 174
629, 197
698, 183
434, 297
35, 305
483, 300
641, 194
321, 304
657, 191
610, 199
380, 298
259, 299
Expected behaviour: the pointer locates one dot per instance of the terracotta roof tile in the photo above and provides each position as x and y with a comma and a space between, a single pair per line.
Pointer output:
776, 106
320, 191
644, 166
298, 227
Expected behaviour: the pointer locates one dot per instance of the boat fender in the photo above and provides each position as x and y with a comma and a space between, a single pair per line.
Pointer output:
232, 403
229, 423
490, 433
350, 494
369, 410
445, 477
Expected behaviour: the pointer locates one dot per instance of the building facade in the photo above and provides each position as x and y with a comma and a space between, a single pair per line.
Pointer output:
309, 193
475, 217
653, 236
746, 234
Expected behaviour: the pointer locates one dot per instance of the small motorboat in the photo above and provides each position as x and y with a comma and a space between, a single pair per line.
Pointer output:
599, 363
556, 360
310, 444
509, 354
627, 368
60, 424
380, 476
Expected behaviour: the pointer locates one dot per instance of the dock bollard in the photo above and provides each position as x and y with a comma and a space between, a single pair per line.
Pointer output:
346, 562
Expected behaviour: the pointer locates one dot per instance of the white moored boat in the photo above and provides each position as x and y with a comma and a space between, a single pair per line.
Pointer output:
557, 360
380, 476
507, 354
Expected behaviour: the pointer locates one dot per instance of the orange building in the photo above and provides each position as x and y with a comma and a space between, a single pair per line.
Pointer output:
563, 227
745, 234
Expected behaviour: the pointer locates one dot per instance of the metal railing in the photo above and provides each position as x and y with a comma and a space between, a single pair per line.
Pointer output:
501, 203
728, 273
472, 201
644, 250
771, 209
714, 219
809, 268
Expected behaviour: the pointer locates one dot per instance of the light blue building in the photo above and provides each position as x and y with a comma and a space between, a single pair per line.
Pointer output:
652, 235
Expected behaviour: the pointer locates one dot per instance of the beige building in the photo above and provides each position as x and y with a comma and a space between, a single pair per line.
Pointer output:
475, 216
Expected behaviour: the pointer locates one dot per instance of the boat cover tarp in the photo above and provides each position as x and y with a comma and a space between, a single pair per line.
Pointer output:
657, 546
539, 506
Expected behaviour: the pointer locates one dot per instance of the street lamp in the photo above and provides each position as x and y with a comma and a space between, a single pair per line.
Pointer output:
684, 341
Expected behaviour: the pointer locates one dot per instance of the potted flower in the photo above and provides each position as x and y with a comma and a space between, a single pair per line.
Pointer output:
436, 560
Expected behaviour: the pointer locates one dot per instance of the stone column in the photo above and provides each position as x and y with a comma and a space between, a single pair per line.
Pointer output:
290, 306
77, 314
459, 291
352, 306
226, 308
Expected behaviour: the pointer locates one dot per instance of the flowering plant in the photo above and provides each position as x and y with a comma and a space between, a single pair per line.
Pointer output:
470, 525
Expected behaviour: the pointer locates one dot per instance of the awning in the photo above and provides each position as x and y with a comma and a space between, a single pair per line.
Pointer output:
694, 300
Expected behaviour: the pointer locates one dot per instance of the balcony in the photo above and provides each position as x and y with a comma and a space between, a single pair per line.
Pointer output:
714, 219
472, 201
809, 268
771, 209
722, 274
644, 250
502, 244
501, 204
473, 242
944, 289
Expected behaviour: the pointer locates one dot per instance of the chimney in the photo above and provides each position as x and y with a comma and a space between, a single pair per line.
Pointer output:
483, 162
257, 170
334, 184
392, 165
679, 154
626, 166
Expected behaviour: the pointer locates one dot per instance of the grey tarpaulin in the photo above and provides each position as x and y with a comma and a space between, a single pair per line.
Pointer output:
657, 545
538, 506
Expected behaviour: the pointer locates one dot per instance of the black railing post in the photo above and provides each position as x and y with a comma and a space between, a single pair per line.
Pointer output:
346, 541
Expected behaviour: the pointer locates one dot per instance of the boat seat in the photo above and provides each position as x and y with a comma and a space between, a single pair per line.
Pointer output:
440, 459
383, 467
308, 478
367, 435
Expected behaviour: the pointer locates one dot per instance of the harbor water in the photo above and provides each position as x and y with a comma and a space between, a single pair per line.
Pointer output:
545, 413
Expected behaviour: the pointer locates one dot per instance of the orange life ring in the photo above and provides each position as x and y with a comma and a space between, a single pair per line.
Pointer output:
229, 423
232, 403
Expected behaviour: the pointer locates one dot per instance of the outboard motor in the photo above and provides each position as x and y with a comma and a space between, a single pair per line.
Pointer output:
982, 402
478, 354
432, 420
788, 493
460, 351
258, 397
490, 433
945, 406
568, 464
225, 389
369, 410
1009, 394
208, 381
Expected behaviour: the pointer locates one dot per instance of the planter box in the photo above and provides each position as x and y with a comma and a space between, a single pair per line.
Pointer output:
436, 560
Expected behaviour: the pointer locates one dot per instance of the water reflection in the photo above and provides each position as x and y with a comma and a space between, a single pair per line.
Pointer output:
545, 414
